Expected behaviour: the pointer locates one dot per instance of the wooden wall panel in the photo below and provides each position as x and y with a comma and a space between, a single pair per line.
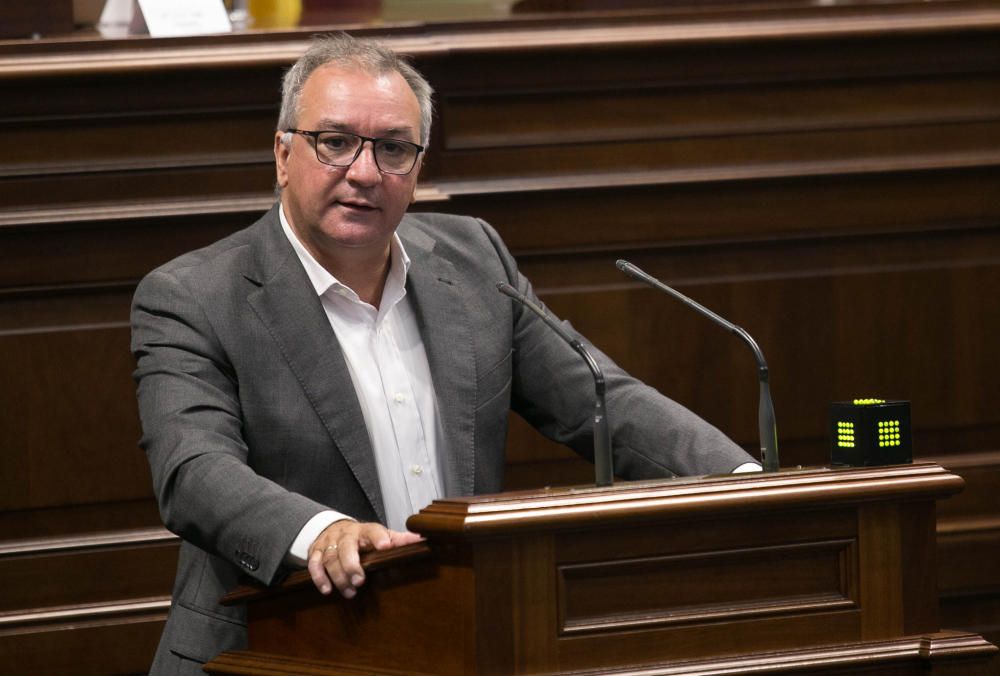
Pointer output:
120, 641
51, 576
826, 177
848, 329
162, 129
969, 546
746, 210
61, 442
522, 119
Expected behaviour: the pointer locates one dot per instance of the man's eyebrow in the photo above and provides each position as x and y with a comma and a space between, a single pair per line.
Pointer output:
333, 125
394, 132
327, 124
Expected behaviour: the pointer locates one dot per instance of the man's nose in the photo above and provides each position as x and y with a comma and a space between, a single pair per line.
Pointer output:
364, 169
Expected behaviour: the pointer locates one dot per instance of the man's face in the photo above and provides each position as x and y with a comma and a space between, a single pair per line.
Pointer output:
338, 211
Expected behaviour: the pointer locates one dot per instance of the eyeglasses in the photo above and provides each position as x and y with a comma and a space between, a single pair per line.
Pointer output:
341, 148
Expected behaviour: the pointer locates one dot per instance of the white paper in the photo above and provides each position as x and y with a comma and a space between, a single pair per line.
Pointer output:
175, 18
117, 12
116, 18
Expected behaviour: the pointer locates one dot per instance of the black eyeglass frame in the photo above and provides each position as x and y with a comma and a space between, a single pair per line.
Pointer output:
314, 135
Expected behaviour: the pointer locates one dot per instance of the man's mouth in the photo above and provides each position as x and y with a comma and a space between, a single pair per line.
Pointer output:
357, 206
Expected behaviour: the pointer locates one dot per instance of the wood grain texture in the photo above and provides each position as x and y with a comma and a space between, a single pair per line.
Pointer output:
690, 498
890, 658
85, 641
813, 577
377, 624
806, 585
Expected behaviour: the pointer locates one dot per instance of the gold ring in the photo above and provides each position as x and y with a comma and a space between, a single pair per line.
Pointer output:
333, 547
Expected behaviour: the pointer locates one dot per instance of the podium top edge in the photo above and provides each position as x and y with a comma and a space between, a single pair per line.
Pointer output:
682, 497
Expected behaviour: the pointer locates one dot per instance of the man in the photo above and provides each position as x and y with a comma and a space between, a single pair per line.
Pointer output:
309, 382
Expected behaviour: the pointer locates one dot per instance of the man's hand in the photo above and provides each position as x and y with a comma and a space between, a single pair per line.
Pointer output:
334, 556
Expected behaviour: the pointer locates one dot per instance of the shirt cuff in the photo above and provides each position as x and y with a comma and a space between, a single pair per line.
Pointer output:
298, 553
748, 467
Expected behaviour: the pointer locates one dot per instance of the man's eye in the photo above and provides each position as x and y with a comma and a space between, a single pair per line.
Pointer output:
392, 148
335, 143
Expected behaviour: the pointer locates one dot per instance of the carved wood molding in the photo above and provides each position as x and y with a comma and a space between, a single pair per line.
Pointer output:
918, 651
135, 211
718, 174
95, 541
438, 192
254, 664
252, 206
827, 660
820, 23
583, 610
51, 618
679, 498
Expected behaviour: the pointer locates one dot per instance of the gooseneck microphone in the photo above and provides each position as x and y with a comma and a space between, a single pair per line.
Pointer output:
765, 415
603, 464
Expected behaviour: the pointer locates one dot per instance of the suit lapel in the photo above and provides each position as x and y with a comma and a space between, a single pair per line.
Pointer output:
287, 304
439, 304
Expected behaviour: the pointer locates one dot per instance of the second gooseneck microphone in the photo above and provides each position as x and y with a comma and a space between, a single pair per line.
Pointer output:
603, 463
765, 416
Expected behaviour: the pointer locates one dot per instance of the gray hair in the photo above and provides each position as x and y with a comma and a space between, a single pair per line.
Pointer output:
371, 57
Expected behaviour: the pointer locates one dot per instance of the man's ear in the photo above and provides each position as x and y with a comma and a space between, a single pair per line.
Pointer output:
281, 152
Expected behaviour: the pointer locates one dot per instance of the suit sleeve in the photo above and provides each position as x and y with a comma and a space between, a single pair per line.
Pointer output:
189, 404
652, 436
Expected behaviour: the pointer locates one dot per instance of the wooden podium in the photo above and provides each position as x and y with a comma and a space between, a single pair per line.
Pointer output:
804, 571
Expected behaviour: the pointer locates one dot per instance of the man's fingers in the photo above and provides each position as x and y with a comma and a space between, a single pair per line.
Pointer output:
317, 571
375, 535
400, 538
349, 571
324, 558
335, 556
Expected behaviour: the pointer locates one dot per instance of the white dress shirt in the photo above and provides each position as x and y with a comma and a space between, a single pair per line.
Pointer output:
388, 365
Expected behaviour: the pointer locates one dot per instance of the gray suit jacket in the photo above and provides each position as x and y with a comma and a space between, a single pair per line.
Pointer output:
251, 424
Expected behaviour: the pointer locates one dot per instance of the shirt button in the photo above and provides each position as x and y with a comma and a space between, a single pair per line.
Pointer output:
416, 469
400, 397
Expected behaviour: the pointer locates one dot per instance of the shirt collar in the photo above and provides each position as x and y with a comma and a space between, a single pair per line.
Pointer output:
323, 281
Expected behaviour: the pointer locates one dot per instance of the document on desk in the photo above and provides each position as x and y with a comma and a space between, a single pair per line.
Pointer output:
176, 18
